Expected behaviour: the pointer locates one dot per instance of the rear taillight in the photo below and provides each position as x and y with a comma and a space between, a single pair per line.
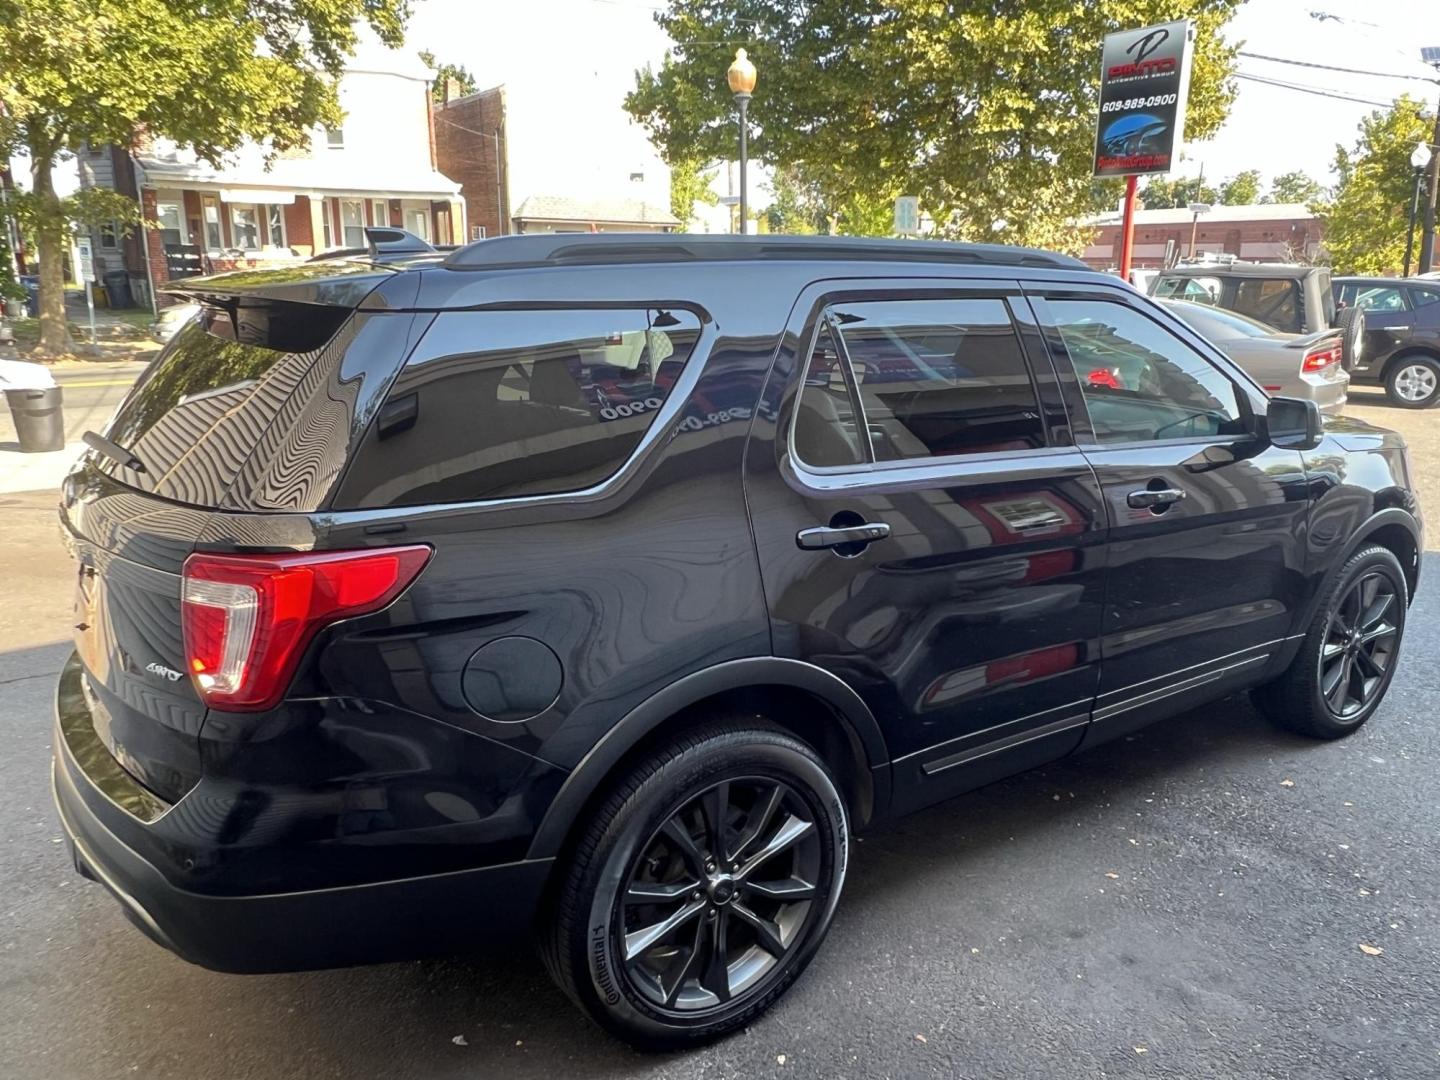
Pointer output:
1321, 358
1104, 377
248, 618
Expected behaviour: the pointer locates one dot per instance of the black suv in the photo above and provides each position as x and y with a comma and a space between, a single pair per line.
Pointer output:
605, 585
1402, 336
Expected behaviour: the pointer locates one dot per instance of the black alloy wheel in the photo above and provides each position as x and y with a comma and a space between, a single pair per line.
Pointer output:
1360, 645
719, 894
701, 886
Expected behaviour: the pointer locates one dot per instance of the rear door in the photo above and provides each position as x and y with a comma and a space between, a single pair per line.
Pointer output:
1207, 520
1389, 320
926, 529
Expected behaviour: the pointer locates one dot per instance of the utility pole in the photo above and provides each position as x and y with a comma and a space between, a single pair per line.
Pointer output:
1431, 55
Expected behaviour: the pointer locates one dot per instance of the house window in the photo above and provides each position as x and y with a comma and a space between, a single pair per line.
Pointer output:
213, 239
245, 227
325, 222
477, 232
335, 138
275, 226
109, 235
172, 223
418, 222
352, 222
380, 211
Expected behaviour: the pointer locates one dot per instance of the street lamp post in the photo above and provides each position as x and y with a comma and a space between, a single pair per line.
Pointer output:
1419, 158
1196, 209
741, 78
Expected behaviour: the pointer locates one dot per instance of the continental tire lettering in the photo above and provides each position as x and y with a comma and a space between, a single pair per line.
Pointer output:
603, 982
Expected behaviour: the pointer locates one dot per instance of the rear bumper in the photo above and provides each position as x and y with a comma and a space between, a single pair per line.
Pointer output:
291, 931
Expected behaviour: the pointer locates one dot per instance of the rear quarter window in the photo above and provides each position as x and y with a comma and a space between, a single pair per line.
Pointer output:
498, 404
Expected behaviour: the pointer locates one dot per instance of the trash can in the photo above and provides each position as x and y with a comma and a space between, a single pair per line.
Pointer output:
32, 294
117, 288
39, 420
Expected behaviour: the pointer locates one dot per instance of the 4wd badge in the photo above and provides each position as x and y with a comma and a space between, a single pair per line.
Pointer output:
169, 673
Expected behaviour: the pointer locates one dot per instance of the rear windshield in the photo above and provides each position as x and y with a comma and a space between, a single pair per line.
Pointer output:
197, 413
495, 404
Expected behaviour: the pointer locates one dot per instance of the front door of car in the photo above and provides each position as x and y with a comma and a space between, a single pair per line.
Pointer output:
925, 528
1207, 520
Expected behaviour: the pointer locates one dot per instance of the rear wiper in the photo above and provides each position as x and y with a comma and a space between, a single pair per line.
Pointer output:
114, 451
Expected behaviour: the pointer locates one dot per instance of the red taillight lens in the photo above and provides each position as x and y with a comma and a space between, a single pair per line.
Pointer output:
1320, 359
248, 618
1104, 377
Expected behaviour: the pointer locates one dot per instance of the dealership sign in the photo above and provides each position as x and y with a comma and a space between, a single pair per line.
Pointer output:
1144, 80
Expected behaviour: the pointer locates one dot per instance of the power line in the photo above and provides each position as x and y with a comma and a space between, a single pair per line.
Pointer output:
1332, 67
1312, 90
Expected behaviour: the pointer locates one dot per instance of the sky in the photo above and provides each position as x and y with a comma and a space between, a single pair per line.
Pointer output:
593, 47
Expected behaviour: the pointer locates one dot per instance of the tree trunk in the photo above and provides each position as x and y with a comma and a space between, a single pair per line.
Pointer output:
50, 244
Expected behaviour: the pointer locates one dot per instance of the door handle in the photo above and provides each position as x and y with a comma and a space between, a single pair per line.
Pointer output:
1157, 497
830, 536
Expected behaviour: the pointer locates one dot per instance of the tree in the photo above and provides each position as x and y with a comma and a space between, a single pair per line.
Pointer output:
1242, 189
1161, 194
457, 73
207, 73
988, 116
1294, 187
690, 183
1366, 218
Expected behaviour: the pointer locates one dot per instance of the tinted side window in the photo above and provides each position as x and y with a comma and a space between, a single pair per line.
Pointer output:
1196, 290
1273, 302
1380, 298
1139, 381
940, 377
504, 403
826, 428
1424, 297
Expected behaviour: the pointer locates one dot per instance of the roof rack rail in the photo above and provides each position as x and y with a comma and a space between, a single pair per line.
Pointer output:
569, 249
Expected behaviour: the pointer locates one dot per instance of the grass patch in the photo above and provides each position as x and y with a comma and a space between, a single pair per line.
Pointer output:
132, 326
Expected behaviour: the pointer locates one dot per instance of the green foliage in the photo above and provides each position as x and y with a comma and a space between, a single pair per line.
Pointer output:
1367, 216
986, 112
689, 184
1242, 189
1162, 194
458, 72
87, 207
10, 288
1294, 187
96, 71
207, 73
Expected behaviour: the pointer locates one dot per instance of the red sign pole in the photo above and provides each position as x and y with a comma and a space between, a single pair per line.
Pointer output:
1127, 228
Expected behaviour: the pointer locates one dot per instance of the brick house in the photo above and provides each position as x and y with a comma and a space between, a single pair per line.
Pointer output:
523, 166
1264, 232
377, 168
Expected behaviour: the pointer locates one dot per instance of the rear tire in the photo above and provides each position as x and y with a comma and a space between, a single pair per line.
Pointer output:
671, 926
1344, 667
1413, 382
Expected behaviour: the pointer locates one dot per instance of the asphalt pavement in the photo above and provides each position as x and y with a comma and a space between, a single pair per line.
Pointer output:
1211, 898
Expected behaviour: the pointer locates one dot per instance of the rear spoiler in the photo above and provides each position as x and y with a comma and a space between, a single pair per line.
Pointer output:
333, 284
1309, 341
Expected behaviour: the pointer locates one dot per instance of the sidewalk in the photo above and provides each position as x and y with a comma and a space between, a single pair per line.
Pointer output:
92, 390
